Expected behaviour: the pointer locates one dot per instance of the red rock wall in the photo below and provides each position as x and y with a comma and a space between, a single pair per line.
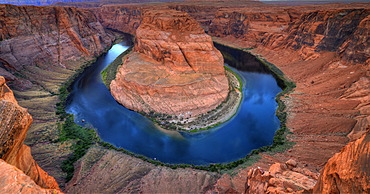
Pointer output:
123, 18
15, 122
44, 37
347, 171
13, 180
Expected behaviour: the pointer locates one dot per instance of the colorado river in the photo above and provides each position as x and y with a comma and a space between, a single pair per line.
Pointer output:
252, 127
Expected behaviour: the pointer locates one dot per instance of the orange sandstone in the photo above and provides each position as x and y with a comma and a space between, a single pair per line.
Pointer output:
175, 68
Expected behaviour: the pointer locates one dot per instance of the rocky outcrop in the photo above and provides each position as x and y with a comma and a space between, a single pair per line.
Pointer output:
13, 180
280, 178
14, 125
347, 171
175, 68
109, 171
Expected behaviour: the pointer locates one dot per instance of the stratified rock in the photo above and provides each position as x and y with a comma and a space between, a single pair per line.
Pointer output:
175, 68
123, 18
349, 170
14, 124
13, 180
40, 43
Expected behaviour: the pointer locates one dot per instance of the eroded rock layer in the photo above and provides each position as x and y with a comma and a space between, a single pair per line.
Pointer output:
349, 170
13, 180
175, 68
14, 124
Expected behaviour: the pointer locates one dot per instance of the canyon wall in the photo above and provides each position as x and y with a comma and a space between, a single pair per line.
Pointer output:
174, 69
37, 2
15, 122
40, 48
349, 170
343, 30
330, 102
123, 18
13, 180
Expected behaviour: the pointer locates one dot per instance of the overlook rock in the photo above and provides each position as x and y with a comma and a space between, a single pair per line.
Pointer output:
14, 124
347, 171
174, 69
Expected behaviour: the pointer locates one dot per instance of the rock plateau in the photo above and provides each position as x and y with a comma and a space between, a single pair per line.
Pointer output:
174, 69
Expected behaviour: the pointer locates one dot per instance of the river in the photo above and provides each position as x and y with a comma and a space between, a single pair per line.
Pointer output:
252, 127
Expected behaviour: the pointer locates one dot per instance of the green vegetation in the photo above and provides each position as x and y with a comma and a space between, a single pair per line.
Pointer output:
237, 77
81, 138
109, 73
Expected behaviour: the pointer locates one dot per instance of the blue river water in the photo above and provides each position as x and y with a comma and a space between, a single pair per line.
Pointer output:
252, 127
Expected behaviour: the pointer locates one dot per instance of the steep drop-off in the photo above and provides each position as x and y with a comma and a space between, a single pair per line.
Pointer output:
13, 180
14, 125
175, 68
40, 48
349, 170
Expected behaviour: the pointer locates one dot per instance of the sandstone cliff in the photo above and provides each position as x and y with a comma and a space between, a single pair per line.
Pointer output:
40, 48
347, 171
13, 180
175, 68
38, 41
14, 125
123, 18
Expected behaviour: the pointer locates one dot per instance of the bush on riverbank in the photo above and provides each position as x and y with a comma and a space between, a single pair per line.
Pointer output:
81, 138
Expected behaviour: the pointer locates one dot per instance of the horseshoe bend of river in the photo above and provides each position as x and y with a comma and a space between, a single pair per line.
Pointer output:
252, 127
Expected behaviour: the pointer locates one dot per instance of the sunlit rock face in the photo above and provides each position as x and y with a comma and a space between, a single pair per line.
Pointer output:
14, 124
174, 69
349, 170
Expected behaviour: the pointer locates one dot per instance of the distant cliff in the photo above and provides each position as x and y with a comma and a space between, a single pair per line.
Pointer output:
38, 2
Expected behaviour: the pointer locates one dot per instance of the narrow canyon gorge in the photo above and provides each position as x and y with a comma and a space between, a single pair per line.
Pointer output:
175, 69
